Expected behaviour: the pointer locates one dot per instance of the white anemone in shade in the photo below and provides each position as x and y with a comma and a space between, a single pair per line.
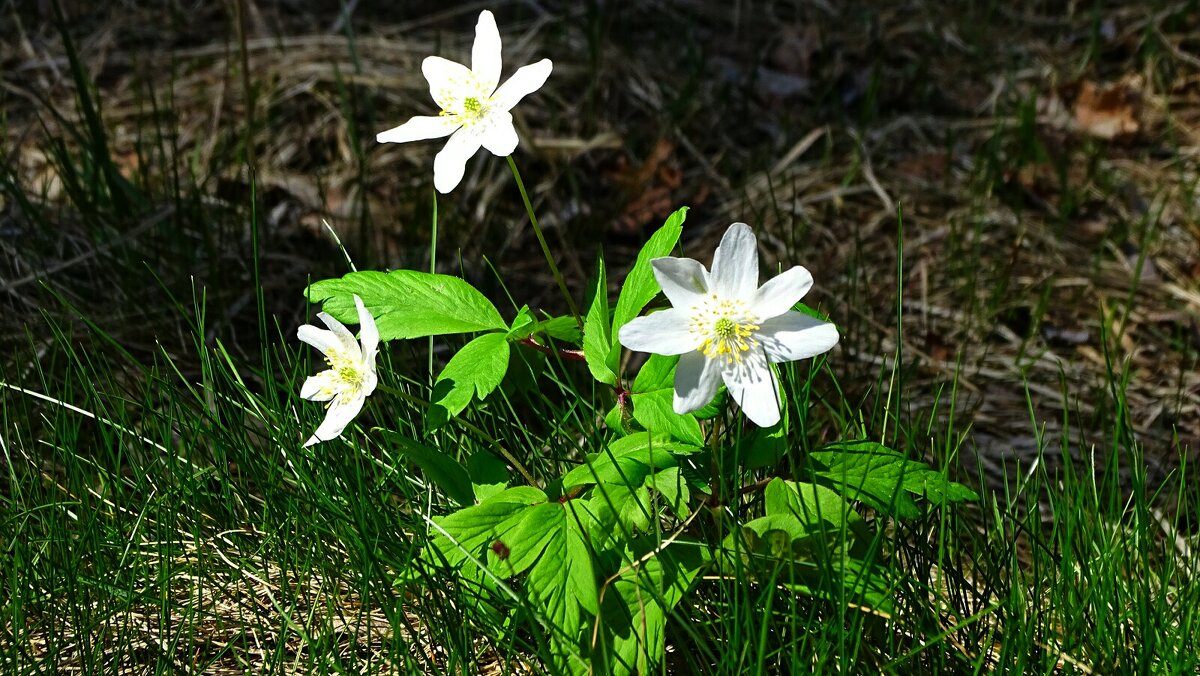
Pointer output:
474, 110
350, 377
726, 327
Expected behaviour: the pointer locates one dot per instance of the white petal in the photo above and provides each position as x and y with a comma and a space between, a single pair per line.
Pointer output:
499, 137
323, 340
696, 381
448, 80
526, 80
418, 129
663, 332
752, 385
485, 54
451, 162
795, 335
683, 280
735, 264
778, 295
336, 418
368, 333
370, 380
349, 346
321, 387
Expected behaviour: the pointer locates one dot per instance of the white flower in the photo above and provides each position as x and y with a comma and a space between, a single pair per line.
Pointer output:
474, 111
726, 327
351, 374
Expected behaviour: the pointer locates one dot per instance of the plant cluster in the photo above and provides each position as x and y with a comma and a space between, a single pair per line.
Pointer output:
595, 559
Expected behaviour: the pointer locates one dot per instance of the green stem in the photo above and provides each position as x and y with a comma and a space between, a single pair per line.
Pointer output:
483, 436
433, 271
537, 230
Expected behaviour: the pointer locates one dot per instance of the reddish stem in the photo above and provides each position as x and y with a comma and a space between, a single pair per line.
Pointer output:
573, 355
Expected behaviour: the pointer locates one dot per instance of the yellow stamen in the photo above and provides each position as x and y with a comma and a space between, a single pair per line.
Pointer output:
727, 327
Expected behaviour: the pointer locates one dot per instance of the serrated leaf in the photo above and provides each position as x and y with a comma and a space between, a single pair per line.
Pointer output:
442, 470
657, 373
597, 338
618, 418
476, 370
523, 325
557, 579
472, 528
635, 616
655, 411
630, 505
640, 286
489, 475
528, 539
625, 463
883, 478
674, 489
408, 303
581, 576
634, 443
565, 329
812, 504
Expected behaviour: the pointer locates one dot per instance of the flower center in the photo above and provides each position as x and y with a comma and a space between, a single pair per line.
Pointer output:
349, 376
468, 107
727, 328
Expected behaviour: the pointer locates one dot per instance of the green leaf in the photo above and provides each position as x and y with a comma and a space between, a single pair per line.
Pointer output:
475, 371
628, 504
815, 506
629, 460
655, 411
713, 408
657, 373
635, 616
523, 325
489, 475
765, 446
654, 401
559, 582
640, 287
638, 640
472, 528
444, 471
804, 309
635, 443
674, 489
597, 339
529, 538
763, 526
565, 329
581, 576
883, 479
408, 303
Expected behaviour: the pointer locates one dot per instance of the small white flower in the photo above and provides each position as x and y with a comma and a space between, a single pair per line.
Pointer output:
351, 374
726, 327
474, 111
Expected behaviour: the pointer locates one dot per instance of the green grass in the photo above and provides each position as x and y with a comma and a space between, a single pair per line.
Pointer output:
159, 515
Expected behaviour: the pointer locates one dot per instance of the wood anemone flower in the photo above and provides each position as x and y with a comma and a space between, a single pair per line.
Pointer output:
350, 378
726, 327
475, 112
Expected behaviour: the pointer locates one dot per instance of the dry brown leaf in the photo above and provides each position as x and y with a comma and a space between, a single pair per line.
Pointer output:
1109, 112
